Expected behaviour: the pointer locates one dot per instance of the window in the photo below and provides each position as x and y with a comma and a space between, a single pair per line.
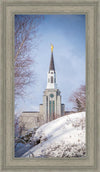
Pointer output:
51, 79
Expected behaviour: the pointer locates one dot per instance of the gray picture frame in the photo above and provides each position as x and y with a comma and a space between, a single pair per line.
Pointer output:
91, 9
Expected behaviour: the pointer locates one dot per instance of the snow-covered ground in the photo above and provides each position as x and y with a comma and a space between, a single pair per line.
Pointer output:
63, 137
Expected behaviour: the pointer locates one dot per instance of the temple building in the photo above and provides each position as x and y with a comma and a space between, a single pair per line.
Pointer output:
51, 108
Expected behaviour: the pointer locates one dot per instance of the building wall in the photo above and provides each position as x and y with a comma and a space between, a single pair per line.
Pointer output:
59, 105
55, 102
41, 109
62, 109
30, 120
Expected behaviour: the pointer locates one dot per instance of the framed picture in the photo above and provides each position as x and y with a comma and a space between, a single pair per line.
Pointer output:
49, 91
66, 72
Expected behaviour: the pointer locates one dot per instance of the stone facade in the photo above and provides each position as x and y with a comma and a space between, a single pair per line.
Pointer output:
51, 107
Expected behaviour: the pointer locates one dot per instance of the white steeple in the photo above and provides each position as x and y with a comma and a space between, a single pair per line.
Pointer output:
51, 80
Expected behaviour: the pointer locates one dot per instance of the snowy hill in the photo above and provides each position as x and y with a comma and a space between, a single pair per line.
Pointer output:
63, 137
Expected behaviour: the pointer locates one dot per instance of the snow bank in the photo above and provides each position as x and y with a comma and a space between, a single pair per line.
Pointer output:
63, 137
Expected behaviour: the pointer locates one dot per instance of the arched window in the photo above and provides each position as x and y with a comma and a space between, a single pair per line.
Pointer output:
51, 79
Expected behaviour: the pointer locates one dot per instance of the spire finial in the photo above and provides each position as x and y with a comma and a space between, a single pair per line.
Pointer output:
52, 48
52, 66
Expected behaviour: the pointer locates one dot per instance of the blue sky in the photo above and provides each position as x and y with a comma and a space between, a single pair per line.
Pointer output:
67, 34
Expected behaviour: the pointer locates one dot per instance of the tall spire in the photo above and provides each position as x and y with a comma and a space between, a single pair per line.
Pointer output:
52, 66
51, 80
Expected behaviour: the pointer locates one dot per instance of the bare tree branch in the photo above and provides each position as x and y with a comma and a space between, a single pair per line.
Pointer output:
26, 40
78, 98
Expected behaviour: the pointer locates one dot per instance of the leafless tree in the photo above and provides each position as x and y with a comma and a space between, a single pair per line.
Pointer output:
22, 128
78, 98
16, 126
26, 40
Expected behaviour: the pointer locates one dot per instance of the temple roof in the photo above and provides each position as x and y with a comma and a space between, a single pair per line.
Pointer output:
52, 66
